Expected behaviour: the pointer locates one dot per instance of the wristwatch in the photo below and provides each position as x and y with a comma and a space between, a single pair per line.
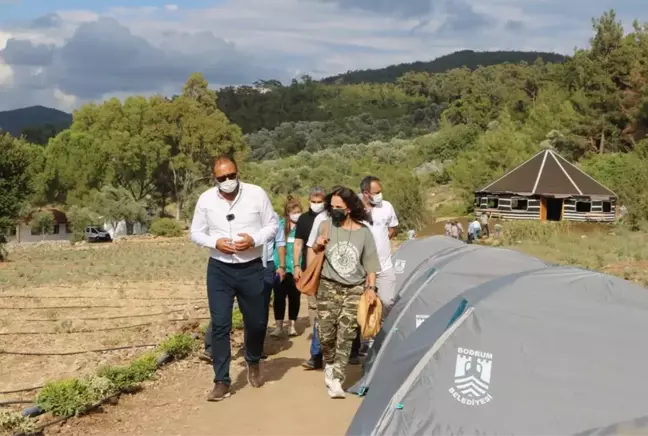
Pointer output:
372, 288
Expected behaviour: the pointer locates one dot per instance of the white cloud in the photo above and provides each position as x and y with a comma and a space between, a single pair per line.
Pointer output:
71, 56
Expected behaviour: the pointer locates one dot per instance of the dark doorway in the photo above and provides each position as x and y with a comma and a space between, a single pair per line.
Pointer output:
554, 209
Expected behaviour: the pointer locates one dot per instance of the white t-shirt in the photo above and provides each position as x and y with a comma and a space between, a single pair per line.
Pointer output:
384, 217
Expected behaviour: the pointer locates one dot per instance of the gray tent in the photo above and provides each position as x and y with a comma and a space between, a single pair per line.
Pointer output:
550, 352
436, 281
413, 253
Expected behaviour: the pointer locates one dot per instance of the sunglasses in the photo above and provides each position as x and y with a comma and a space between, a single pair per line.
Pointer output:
231, 176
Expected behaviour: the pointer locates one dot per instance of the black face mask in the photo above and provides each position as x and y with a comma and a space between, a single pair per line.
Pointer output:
338, 216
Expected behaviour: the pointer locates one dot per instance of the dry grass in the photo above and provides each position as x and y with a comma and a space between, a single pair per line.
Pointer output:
53, 299
607, 248
124, 261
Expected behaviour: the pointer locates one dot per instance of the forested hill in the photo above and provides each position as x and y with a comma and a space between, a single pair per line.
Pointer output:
464, 58
17, 120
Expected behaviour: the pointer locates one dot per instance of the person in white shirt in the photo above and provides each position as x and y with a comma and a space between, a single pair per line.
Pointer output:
234, 220
473, 230
383, 227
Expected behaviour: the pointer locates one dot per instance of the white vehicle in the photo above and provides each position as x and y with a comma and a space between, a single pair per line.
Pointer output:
96, 234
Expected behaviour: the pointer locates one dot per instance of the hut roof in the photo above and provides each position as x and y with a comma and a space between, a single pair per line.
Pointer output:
548, 173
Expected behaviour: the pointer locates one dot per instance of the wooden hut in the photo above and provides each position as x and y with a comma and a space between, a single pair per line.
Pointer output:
547, 187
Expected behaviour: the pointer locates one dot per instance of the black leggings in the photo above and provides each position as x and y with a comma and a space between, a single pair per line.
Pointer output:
284, 289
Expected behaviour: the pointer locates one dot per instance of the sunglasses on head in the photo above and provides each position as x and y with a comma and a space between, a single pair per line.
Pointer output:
231, 176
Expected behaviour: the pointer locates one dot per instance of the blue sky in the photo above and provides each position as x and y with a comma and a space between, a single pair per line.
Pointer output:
63, 53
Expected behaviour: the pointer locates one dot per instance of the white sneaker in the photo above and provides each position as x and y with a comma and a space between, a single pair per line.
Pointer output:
292, 331
335, 389
328, 375
278, 329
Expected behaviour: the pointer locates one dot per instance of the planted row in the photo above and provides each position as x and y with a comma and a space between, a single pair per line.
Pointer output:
74, 396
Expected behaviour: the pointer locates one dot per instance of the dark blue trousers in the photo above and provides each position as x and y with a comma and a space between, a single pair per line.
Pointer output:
245, 281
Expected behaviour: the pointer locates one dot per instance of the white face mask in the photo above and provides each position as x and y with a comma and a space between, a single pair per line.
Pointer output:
376, 199
317, 207
294, 217
228, 186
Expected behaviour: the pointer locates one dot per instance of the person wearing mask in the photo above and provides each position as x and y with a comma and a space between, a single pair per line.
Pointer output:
349, 271
302, 233
383, 223
285, 286
234, 220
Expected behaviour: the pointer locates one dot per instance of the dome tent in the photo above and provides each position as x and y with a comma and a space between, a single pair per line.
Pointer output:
411, 255
554, 351
437, 280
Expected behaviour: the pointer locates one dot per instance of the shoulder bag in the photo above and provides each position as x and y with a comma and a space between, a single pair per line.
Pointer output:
310, 278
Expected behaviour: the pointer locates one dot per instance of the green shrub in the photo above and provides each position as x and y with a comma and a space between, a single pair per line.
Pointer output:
65, 398
129, 376
237, 319
178, 346
167, 227
12, 422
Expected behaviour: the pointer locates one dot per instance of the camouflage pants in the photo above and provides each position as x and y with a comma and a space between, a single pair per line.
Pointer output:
337, 311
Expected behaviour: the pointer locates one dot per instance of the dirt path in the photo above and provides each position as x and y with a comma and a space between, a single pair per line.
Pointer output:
292, 402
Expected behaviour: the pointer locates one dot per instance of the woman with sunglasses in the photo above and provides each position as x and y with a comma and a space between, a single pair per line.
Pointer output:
349, 271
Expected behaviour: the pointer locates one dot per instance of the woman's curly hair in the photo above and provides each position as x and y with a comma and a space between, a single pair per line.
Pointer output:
353, 202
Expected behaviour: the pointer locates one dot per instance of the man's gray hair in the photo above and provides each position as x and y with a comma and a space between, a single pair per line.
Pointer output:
317, 191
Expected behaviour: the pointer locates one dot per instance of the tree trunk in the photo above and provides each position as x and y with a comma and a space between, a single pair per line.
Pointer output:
602, 143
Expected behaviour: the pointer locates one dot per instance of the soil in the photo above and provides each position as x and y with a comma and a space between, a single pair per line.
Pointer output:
66, 318
293, 401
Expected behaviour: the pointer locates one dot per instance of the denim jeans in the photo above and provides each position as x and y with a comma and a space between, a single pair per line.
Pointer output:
316, 348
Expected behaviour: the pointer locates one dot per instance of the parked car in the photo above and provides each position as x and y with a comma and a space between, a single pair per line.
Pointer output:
97, 234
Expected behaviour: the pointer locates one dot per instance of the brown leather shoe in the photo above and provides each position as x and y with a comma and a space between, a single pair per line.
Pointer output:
254, 375
220, 392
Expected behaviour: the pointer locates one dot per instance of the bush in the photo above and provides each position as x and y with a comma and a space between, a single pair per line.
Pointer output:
167, 227
178, 346
12, 422
129, 376
66, 398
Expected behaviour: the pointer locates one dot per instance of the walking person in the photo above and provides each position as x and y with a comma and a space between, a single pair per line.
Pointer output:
302, 233
269, 274
383, 224
349, 270
285, 287
235, 220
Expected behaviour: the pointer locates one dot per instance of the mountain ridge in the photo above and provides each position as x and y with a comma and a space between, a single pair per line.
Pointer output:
36, 117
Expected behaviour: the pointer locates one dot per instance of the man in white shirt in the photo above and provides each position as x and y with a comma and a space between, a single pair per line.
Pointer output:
234, 220
383, 227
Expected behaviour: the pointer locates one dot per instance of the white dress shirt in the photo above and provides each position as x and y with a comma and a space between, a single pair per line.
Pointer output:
253, 214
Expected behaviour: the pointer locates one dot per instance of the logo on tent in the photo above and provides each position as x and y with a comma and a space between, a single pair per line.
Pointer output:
399, 266
472, 377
